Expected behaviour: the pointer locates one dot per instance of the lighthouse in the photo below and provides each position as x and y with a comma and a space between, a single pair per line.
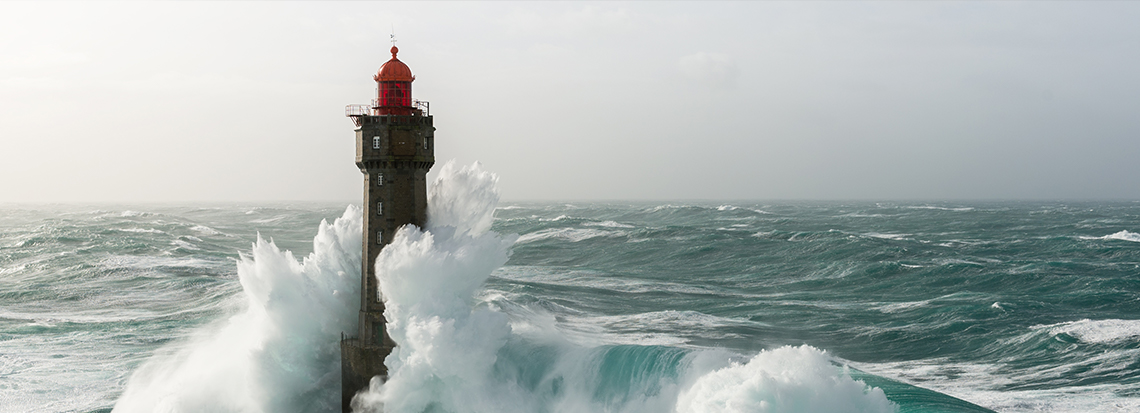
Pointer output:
394, 151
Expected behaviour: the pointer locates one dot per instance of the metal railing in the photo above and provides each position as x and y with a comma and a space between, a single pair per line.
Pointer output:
422, 106
357, 110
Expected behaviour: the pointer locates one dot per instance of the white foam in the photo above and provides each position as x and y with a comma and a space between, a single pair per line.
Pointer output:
896, 237
202, 229
13, 269
143, 230
667, 206
184, 244
280, 353
1097, 331
644, 328
786, 379
903, 306
608, 224
138, 262
958, 209
446, 346
989, 385
1123, 236
569, 234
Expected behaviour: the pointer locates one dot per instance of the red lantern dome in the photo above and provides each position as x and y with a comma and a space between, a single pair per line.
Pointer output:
394, 87
394, 70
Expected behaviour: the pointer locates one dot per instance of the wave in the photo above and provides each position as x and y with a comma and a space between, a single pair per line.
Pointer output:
1123, 236
280, 352
456, 356
455, 353
608, 224
202, 229
1097, 331
895, 237
569, 234
142, 230
954, 209
136, 262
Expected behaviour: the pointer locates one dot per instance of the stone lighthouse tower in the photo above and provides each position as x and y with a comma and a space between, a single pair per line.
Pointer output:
394, 150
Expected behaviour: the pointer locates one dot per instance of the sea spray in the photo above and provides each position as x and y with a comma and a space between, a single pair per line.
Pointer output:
455, 355
446, 346
279, 353
786, 379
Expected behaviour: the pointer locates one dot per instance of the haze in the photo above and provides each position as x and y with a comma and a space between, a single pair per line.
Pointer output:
196, 102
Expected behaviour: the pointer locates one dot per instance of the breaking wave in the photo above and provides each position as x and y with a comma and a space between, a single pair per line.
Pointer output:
1097, 331
1124, 236
279, 352
456, 352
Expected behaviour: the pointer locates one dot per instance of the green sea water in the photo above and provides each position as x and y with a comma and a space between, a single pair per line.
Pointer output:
966, 306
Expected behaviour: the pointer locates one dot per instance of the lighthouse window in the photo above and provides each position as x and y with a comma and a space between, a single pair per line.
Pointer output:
379, 179
379, 237
375, 142
426, 147
379, 208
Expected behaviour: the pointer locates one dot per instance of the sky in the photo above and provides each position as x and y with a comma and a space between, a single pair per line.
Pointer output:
244, 102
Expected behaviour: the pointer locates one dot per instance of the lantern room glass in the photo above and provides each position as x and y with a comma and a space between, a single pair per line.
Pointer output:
396, 94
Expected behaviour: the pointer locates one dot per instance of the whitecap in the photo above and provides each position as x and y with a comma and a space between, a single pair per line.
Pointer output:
1123, 236
569, 234
205, 230
955, 209
607, 224
889, 236
13, 270
785, 379
142, 230
1097, 331
280, 353
667, 207
183, 244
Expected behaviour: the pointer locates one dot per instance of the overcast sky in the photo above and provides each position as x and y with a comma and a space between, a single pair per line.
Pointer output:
219, 101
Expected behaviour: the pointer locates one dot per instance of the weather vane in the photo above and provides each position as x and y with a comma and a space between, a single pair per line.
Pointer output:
393, 35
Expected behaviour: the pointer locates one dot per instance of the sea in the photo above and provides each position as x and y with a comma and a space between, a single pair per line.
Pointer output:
500, 306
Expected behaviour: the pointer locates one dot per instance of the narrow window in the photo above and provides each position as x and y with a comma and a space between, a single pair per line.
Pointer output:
426, 147
379, 208
375, 142
379, 179
379, 237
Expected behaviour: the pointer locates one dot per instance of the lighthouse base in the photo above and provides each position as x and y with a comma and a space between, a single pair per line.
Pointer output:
359, 363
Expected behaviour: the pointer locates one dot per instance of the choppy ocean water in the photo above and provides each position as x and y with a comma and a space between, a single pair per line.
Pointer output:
622, 307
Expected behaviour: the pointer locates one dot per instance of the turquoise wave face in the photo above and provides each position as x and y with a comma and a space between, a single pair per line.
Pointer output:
624, 307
